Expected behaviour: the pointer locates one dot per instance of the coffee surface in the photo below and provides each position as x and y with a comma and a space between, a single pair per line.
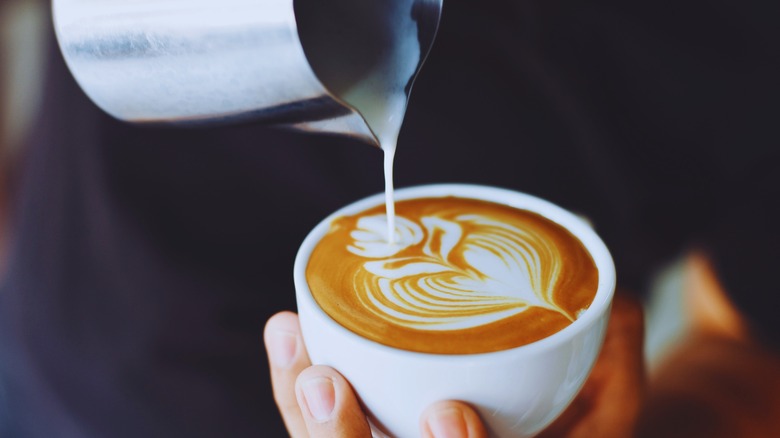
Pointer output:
463, 276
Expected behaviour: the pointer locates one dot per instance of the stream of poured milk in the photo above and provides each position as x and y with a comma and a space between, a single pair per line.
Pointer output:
389, 150
382, 103
381, 99
370, 67
385, 120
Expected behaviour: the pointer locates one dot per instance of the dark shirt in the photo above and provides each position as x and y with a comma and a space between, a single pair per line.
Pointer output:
145, 261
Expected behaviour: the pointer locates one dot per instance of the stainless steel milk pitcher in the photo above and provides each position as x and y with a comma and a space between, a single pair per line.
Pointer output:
289, 62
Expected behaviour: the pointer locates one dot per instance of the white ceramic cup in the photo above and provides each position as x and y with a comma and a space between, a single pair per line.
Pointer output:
517, 392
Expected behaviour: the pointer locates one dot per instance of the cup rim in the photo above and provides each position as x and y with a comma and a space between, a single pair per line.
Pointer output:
579, 227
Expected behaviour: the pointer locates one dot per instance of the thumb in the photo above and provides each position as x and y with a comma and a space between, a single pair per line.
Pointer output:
329, 406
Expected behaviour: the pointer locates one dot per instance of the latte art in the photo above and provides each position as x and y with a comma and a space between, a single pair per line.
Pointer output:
471, 271
462, 276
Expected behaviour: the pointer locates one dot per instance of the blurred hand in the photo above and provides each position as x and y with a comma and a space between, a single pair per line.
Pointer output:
720, 380
316, 401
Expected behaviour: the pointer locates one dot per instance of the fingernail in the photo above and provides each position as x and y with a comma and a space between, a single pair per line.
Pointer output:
282, 347
320, 397
448, 423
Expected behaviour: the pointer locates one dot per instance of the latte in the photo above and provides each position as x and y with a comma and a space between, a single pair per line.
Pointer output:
462, 276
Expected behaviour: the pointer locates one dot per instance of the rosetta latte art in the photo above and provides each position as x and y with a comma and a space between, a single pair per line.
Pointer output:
470, 271
461, 276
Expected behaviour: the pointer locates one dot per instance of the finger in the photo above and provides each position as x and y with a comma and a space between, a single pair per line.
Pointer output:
329, 406
287, 357
451, 419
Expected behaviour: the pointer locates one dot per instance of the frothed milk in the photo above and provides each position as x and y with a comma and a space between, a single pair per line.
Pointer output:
463, 276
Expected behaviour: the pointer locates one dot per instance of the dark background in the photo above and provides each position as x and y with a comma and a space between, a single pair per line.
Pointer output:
144, 262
